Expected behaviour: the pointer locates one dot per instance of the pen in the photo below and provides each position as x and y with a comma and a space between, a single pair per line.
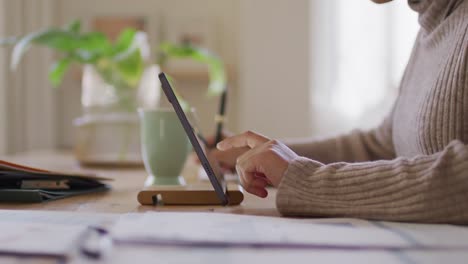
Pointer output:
219, 118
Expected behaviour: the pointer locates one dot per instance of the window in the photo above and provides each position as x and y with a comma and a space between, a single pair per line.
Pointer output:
365, 48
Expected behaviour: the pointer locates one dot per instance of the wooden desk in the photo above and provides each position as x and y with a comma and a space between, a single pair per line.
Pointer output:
122, 198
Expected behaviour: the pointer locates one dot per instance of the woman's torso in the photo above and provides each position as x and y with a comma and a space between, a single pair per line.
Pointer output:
432, 108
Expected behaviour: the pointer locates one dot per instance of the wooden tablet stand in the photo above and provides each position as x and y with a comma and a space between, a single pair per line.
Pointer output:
202, 194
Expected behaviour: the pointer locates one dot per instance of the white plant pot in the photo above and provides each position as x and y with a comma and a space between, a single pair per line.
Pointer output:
112, 139
108, 133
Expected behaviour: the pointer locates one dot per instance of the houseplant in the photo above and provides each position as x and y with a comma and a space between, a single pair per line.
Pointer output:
116, 80
120, 63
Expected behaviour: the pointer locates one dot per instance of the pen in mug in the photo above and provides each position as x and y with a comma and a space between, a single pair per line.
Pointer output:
220, 117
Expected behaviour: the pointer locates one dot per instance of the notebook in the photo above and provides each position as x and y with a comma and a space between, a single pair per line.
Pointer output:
22, 184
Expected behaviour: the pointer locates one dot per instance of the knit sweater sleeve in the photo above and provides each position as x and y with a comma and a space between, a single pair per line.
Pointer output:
356, 146
431, 188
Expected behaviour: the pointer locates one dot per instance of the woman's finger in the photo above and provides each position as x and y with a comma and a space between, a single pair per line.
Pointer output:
260, 192
256, 186
245, 178
248, 155
262, 176
228, 158
246, 139
252, 179
259, 183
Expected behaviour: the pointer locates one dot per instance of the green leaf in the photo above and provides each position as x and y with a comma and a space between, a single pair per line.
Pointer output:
58, 39
177, 51
94, 42
58, 70
123, 43
120, 64
131, 68
86, 47
106, 70
74, 26
21, 47
216, 69
84, 56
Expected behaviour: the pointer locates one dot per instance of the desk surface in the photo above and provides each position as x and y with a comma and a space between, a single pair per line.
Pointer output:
123, 196
122, 199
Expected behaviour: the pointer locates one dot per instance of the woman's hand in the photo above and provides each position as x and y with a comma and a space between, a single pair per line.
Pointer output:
226, 159
265, 162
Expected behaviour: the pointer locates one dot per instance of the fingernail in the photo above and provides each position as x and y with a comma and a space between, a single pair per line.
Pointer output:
222, 145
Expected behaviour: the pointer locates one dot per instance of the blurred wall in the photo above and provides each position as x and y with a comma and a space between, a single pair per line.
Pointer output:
29, 119
274, 67
3, 63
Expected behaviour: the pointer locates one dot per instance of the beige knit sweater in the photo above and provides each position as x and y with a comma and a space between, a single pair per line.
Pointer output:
414, 167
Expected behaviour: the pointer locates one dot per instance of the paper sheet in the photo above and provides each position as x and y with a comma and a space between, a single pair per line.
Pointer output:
45, 233
38, 239
55, 217
230, 256
213, 229
429, 234
435, 257
132, 254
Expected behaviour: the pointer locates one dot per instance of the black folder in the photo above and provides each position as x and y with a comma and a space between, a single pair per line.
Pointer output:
21, 184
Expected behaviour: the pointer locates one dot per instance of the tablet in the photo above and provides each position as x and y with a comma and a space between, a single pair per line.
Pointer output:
214, 174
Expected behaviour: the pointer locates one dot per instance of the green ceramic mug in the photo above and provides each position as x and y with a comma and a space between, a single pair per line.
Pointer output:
164, 146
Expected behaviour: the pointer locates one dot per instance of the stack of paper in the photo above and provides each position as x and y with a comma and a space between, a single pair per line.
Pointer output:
214, 230
45, 233
35, 239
